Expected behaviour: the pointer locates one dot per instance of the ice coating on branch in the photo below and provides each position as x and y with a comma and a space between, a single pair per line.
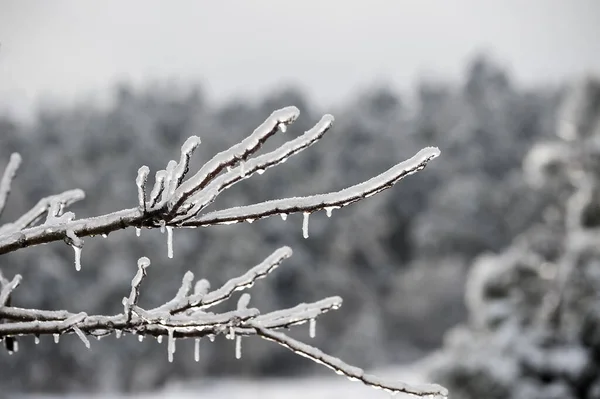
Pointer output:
170, 181
187, 149
201, 287
353, 373
312, 203
170, 242
243, 301
206, 196
238, 152
305, 224
9, 174
247, 279
159, 186
140, 181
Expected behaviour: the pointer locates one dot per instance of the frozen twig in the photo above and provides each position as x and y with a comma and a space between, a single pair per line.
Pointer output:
9, 174
314, 203
176, 202
353, 373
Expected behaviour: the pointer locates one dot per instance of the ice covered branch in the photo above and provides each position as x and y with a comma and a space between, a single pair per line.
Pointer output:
187, 317
176, 202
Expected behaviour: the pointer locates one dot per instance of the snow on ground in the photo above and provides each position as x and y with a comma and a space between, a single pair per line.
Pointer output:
325, 387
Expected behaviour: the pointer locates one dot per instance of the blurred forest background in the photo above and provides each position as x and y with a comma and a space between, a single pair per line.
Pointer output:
506, 213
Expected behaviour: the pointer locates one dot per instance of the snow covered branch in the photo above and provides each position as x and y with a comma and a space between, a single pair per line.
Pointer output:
187, 317
174, 202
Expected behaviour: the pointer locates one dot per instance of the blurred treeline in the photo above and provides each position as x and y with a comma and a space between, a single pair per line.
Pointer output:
398, 259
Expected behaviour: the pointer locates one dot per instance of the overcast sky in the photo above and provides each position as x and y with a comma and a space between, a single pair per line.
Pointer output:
62, 50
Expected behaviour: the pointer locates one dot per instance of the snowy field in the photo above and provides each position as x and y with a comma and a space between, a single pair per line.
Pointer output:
326, 387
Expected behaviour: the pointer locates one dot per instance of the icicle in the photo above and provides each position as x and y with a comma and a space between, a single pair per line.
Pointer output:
238, 347
77, 257
36, 339
56, 338
77, 243
312, 327
283, 216
104, 235
260, 171
197, 349
231, 334
170, 242
138, 232
118, 334
171, 345
82, 336
328, 210
305, 225
159, 339
249, 220
15, 347
211, 338
140, 338
162, 226
283, 127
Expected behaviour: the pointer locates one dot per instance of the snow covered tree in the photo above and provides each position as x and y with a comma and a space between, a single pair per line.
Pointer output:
534, 308
177, 201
